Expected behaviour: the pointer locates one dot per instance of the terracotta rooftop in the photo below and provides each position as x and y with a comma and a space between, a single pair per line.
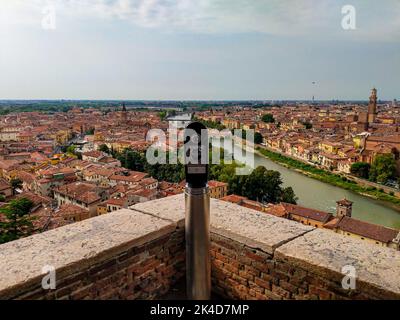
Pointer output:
134, 176
233, 198
277, 210
344, 202
84, 192
216, 184
368, 230
307, 212
94, 154
4, 185
35, 198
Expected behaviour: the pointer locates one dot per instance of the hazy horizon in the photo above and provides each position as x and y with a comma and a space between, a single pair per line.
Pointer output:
189, 100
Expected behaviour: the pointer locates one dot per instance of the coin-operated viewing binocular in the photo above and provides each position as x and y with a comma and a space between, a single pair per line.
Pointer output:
197, 215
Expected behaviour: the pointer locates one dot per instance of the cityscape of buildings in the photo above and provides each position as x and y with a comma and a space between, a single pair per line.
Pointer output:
333, 137
297, 192
63, 161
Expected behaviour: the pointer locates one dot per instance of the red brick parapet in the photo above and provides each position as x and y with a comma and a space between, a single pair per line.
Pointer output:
138, 253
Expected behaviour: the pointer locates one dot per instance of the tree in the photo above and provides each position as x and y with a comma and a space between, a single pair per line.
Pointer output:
383, 168
16, 183
104, 148
360, 169
16, 223
132, 160
90, 132
258, 138
263, 185
162, 115
266, 186
268, 118
136, 161
71, 149
289, 196
165, 171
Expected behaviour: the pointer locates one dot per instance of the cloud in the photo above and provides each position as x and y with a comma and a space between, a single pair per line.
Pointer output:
275, 17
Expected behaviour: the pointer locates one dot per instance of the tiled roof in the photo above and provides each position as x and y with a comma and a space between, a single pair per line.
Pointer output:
233, 198
215, 184
307, 212
84, 192
367, 230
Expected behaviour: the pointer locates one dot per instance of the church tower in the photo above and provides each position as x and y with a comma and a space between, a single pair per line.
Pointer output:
124, 113
372, 106
344, 208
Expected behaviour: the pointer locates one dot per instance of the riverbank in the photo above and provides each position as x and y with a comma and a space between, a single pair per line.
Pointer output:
331, 178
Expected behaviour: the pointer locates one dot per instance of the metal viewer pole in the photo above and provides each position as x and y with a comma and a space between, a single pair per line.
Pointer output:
197, 211
197, 230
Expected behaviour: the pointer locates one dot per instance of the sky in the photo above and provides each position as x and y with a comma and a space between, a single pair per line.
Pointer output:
198, 49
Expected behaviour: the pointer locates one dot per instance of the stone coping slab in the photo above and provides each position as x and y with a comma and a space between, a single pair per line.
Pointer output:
75, 246
250, 227
326, 253
80, 245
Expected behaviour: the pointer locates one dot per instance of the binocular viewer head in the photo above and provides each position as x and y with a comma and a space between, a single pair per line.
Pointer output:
196, 155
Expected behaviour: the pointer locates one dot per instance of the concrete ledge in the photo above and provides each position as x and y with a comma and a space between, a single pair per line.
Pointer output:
320, 252
139, 252
248, 226
75, 247
325, 253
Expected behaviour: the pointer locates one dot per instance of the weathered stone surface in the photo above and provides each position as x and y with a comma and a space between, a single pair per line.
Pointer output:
252, 228
139, 253
326, 253
76, 246
170, 208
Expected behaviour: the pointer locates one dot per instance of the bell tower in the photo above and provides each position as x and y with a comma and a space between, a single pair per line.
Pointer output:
124, 113
372, 106
344, 208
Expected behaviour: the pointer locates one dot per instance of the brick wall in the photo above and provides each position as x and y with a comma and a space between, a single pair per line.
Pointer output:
242, 272
141, 272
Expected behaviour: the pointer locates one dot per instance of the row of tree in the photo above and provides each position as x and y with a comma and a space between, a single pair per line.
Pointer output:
382, 170
136, 161
261, 185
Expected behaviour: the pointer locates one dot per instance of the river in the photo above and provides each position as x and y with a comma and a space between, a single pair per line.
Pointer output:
322, 196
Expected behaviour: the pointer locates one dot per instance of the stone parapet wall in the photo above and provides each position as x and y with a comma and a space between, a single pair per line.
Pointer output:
243, 272
139, 253
123, 255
